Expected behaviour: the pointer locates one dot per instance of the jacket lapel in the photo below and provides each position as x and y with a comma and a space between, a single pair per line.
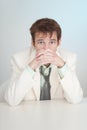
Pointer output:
36, 87
54, 80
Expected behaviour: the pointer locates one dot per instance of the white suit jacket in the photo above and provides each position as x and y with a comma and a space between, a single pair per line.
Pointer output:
23, 87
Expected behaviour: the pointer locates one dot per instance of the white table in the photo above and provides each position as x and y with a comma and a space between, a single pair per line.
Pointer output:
44, 115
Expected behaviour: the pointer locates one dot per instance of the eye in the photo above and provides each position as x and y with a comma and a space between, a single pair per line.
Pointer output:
52, 42
40, 42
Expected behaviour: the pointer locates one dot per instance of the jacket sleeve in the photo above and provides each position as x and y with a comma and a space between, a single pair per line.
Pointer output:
72, 90
20, 83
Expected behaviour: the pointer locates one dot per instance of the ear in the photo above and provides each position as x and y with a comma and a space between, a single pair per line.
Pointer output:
32, 42
59, 42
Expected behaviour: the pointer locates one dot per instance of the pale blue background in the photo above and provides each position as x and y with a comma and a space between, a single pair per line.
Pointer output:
16, 16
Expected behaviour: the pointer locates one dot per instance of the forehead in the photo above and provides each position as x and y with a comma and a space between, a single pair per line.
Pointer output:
46, 35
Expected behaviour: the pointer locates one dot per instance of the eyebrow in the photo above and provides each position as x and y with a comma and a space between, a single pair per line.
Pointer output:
43, 39
53, 39
39, 40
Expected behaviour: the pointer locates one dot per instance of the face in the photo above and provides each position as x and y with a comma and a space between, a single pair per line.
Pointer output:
44, 41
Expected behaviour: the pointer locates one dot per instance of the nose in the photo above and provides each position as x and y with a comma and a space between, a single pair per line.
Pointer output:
46, 46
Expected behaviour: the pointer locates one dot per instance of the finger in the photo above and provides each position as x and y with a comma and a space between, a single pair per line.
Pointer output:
43, 51
45, 59
40, 52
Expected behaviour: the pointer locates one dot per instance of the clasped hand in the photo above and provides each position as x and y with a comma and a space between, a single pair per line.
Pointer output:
46, 57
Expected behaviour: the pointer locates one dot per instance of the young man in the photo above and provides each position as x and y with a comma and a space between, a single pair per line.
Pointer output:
44, 71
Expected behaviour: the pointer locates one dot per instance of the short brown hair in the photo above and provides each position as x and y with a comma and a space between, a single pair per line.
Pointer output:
45, 25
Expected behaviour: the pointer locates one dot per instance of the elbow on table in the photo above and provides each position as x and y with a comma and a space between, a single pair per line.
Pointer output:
74, 99
12, 101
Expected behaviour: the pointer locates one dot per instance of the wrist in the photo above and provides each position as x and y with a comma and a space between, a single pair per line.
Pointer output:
31, 66
61, 64
63, 70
